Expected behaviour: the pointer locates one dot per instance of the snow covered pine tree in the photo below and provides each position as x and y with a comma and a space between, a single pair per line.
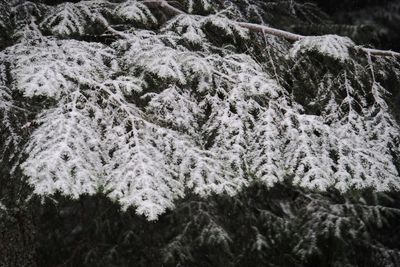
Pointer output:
156, 105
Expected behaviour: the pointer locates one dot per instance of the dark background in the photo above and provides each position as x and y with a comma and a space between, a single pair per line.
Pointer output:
380, 18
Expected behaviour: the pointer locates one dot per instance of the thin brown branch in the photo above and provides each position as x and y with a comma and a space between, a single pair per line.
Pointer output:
377, 52
173, 11
265, 29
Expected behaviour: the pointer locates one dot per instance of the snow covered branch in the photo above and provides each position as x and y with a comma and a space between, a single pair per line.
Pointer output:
377, 52
264, 29
161, 110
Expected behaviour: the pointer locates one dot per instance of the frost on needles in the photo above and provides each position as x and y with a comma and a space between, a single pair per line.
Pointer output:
150, 107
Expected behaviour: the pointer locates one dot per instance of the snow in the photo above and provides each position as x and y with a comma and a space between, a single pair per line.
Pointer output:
149, 117
333, 46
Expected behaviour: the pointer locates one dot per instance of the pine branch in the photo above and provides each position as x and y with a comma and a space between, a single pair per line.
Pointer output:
164, 4
173, 11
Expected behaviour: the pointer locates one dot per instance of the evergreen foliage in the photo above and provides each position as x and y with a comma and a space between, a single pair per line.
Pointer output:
280, 226
247, 149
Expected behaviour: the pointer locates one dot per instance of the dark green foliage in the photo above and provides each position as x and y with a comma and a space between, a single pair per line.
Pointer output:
17, 241
366, 21
282, 226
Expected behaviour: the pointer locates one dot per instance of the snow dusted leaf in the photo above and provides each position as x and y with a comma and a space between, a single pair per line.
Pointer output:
366, 152
5, 93
143, 169
54, 68
199, 69
207, 172
156, 59
362, 146
75, 18
12, 119
307, 155
126, 84
193, 28
266, 146
202, 4
10, 137
150, 166
333, 46
227, 26
151, 56
140, 171
135, 11
163, 62
175, 107
226, 130
27, 11
4, 97
188, 27
64, 152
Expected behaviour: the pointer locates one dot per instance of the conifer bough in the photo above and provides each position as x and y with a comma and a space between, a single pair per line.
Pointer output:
191, 103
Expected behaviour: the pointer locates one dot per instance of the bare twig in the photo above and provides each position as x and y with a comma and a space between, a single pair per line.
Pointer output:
265, 29
377, 52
